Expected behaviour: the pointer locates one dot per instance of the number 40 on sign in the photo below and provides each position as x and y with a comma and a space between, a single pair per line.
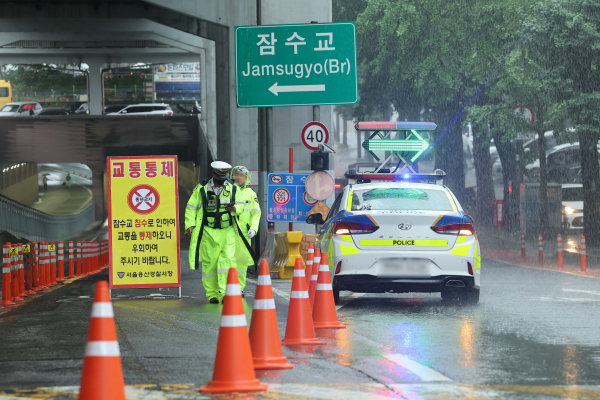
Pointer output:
314, 134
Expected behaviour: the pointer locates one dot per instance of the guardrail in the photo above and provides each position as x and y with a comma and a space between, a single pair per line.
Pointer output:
25, 222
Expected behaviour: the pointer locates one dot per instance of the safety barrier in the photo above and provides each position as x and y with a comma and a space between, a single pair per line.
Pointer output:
306, 240
34, 225
30, 267
281, 251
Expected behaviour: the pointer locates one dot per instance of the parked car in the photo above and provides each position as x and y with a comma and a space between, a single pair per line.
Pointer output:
52, 111
20, 109
572, 202
145, 109
72, 106
83, 109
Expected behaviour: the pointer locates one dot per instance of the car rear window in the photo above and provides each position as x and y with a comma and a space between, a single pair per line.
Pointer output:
401, 199
3, 92
159, 108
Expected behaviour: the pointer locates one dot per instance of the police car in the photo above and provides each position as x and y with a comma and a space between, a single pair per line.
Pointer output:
400, 233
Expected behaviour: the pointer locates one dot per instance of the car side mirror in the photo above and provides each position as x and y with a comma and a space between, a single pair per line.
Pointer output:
315, 219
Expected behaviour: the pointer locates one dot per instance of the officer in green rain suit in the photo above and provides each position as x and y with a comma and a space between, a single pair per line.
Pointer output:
209, 219
247, 211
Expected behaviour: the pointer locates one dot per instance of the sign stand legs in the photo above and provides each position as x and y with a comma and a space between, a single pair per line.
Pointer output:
179, 291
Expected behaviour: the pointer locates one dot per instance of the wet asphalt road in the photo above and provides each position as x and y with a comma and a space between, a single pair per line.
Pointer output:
532, 327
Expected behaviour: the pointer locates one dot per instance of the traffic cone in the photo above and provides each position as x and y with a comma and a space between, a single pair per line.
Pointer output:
102, 375
234, 369
310, 256
264, 331
324, 312
313, 278
299, 329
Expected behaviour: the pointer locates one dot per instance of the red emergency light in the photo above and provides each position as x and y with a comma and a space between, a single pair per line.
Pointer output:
375, 125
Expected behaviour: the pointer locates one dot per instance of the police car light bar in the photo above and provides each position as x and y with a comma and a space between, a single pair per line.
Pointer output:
392, 177
394, 126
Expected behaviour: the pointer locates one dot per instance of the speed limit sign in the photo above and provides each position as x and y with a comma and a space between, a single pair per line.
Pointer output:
314, 134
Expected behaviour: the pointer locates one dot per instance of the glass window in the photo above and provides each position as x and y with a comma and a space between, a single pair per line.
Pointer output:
336, 206
3, 92
10, 108
572, 194
400, 199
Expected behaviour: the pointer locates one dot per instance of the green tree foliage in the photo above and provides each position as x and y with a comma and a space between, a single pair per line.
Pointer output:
566, 33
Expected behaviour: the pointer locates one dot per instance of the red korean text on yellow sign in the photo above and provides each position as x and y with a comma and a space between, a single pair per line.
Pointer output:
143, 221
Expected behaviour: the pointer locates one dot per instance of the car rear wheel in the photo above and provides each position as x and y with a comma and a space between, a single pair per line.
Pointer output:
336, 295
466, 296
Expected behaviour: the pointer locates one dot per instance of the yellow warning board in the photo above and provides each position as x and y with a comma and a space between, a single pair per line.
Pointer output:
143, 222
26, 249
52, 247
14, 251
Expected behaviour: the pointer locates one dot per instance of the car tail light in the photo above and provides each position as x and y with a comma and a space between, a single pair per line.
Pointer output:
461, 229
169, 112
353, 228
468, 266
339, 267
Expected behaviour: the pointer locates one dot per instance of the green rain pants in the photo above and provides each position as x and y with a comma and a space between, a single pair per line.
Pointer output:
217, 252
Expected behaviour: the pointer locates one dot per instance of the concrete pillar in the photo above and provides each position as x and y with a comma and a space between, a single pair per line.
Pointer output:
98, 193
95, 90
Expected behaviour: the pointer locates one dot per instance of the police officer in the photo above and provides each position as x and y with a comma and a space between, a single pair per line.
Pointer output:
209, 219
247, 216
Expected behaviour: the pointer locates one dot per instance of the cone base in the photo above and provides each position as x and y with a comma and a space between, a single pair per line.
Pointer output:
294, 342
272, 363
228, 387
330, 325
8, 303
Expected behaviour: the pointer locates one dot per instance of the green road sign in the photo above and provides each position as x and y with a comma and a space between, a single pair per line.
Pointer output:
296, 65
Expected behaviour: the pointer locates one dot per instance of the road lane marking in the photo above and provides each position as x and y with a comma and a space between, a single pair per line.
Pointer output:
542, 269
348, 299
425, 373
581, 291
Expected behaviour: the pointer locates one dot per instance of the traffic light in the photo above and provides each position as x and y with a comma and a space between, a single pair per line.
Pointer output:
319, 161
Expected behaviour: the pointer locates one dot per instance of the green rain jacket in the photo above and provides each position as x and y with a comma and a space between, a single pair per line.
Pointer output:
247, 209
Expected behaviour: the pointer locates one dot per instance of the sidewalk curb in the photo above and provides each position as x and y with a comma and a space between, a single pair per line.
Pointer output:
41, 293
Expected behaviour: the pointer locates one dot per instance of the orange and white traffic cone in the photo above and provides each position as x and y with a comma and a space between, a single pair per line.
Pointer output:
299, 328
313, 278
324, 312
234, 369
310, 256
102, 375
264, 331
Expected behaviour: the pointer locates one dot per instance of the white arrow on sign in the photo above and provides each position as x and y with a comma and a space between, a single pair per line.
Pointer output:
275, 89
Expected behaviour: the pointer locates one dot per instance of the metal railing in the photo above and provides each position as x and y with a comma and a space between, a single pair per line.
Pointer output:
25, 222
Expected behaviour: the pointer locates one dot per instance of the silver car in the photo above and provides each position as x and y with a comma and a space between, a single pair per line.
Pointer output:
20, 109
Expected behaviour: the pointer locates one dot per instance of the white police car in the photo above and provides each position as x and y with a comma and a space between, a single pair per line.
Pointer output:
403, 235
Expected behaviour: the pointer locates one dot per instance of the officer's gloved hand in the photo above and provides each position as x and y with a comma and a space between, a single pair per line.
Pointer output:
251, 233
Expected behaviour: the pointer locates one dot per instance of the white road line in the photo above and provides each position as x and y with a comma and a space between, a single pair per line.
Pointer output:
425, 373
422, 371
348, 299
581, 291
